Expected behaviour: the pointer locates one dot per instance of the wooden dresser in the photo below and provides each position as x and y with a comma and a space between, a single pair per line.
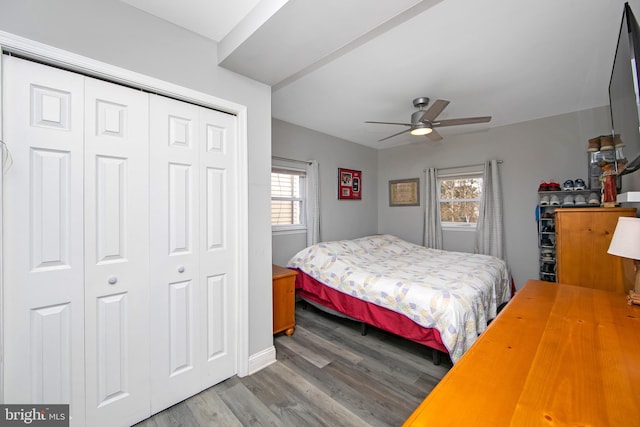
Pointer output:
583, 236
284, 281
557, 355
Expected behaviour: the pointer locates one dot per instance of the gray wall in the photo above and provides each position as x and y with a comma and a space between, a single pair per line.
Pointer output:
534, 151
115, 33
631, 182
339, 219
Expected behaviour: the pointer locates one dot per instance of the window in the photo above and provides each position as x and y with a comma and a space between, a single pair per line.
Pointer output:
460, 200
288, 199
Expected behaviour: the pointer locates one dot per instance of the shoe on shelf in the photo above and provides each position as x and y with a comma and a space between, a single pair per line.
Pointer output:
580, 200
568, 185
568, 200
553, 186
547, 215
555, 200
548, 256
546, 242
544, 200
593, 199
594, 145
606, 143
579, 184
547, 252
543, 187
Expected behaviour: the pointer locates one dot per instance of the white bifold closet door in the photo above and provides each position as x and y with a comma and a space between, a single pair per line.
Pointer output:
193, 248
120, 246
116, 252
43, 302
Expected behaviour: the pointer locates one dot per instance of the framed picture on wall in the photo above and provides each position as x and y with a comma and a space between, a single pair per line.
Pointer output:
404, 192
349, 184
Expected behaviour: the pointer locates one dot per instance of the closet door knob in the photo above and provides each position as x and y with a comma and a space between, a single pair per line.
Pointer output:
181, 269
112, 280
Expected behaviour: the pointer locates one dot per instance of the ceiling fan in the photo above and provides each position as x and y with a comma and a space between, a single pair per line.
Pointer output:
424, 121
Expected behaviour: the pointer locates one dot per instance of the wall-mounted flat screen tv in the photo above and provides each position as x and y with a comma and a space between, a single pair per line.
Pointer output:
624, 95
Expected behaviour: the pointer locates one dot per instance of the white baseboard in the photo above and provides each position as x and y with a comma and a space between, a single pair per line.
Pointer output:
261, 360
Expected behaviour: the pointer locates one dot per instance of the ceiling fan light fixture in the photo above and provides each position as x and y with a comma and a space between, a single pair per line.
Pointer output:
423, 122
421, 129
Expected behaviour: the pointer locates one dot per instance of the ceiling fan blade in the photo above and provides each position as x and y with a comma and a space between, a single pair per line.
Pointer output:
391, 123
395, 134
434, 111
434, 135
465, 121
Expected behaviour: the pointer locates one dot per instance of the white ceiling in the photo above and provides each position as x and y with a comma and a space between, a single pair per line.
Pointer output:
334, 64
213, 19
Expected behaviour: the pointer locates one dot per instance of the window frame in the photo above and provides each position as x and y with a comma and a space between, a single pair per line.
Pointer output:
467, 174
302, 173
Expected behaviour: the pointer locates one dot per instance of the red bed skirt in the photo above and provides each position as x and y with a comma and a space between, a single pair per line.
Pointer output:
310, 289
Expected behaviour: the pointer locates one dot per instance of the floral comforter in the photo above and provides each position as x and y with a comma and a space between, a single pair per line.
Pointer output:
453, 292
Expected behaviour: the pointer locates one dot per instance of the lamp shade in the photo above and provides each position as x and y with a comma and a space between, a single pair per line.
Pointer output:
626, 239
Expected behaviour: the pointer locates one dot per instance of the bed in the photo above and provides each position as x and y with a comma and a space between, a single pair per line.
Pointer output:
441, 299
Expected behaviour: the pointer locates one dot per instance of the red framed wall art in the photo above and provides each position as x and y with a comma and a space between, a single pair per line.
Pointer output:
349, 184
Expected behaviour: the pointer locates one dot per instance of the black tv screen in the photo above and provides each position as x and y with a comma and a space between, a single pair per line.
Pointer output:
624, 95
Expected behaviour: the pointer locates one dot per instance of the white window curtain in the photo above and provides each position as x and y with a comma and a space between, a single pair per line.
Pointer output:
432, 228
313, 203
489, 236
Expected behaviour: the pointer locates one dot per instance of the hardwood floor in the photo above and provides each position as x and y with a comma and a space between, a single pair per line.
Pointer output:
326, 374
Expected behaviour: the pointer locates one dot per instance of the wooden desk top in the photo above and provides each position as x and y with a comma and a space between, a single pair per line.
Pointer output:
557, 355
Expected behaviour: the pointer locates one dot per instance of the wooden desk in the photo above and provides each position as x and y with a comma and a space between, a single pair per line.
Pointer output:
557, 355
284, 299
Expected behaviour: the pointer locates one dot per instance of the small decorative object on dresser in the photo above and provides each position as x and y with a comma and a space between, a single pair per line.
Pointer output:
626, 243
284, 281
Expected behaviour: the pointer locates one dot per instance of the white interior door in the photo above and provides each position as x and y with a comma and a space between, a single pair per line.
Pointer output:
43, 247
116, 254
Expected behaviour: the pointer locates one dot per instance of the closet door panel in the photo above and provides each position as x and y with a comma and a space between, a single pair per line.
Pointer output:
43, 247
181, 216
117, 253
50, 228
218, 242
181, 320
176, 363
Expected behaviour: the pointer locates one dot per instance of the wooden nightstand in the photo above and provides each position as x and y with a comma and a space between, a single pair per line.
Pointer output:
284, 281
